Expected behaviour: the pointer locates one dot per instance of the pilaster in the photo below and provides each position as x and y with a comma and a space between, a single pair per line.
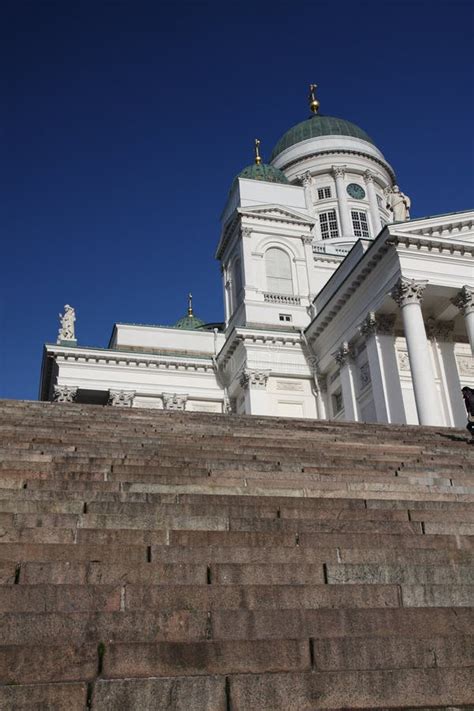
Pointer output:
121, 398
64, 393
464, 301
172, 401
344, 358
373, 205
344, 216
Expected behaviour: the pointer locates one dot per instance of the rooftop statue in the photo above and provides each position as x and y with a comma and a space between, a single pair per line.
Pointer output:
66, 328
399, 204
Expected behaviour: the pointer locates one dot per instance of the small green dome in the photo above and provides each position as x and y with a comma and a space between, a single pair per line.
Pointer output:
262, 172
317, 126
189, 323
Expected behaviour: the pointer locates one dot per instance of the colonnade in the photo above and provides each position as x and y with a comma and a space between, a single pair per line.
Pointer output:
377, 330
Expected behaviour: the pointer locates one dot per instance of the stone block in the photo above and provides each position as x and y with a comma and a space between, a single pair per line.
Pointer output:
59, 598
199, 693
369, 653
7, 573
29, 665
146, 573
271, 597
273, 574
352, 690
50, 697
239, 554
167, 658
231, 538
400, 574
437, 595
56, 553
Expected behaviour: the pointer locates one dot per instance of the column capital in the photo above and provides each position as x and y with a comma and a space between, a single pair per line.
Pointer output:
439, 330
307, 239
343, 355
172, 401
64, 393
408, 291
368, 176
338, 171
121, 398
254, 378
246, 231
464, 300
380, 324
305, 179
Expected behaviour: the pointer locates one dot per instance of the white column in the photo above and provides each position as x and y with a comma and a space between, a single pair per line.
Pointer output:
247, 263
344, 360
307, 241
320, 392
306, 181
386, 390
408, 295
373, 204
344, 215
440, 334
464, 301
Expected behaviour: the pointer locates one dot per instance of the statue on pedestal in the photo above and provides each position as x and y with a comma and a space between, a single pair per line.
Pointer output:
66, 328
399, 204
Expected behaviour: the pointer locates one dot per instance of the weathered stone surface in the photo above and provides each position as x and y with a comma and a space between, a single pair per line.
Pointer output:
353, 690
167, 658
199, 693
53, 697
27, 665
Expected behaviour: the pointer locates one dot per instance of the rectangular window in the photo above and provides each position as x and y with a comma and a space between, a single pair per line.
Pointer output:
328, 224
285, 317
359, 223
324, 193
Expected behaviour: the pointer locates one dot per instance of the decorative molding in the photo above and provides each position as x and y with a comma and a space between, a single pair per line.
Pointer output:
64, 393
464, 300
338, 171
307, 239
121, 398
172, 401
246, 232
305, 179
403, 360
439, 330
408, 291
368, 177
282, 299
380, 324
343, 355
290, 385
465, 365
254, 378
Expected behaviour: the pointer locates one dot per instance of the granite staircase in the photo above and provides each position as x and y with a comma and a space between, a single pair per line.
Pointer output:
198, 562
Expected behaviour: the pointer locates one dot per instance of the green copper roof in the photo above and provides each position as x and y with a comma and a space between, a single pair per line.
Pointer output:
262, 172
317, 126
189, 323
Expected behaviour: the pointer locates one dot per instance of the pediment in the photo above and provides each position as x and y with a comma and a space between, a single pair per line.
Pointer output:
277, 213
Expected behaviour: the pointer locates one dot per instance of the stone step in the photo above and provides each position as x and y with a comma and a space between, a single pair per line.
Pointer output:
44, 628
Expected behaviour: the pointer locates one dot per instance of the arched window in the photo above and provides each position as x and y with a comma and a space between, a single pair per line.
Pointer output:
278, 268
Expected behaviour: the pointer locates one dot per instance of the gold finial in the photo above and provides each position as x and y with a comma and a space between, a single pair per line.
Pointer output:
313, 102
190, 305
258, 159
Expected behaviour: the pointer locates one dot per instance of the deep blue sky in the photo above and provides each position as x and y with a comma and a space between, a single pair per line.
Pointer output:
124, 124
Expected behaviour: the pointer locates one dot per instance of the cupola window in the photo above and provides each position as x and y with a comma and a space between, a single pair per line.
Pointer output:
359, 224
324, 193
328, 224
278, 268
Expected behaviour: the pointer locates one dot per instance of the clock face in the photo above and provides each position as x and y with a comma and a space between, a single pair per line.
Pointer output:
356, 191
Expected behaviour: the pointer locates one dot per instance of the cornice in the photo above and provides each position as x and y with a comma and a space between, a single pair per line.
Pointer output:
122, 358
416, 241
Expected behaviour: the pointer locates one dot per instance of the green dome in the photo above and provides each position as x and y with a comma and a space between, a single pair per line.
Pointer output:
262, 172
189, 323
319, 126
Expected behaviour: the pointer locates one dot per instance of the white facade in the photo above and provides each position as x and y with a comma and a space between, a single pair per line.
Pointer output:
332, 310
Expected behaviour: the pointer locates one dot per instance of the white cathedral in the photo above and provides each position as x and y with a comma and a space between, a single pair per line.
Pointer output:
337, 305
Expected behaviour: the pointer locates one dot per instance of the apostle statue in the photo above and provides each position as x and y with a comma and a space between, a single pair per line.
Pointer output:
399, 204
66, 328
